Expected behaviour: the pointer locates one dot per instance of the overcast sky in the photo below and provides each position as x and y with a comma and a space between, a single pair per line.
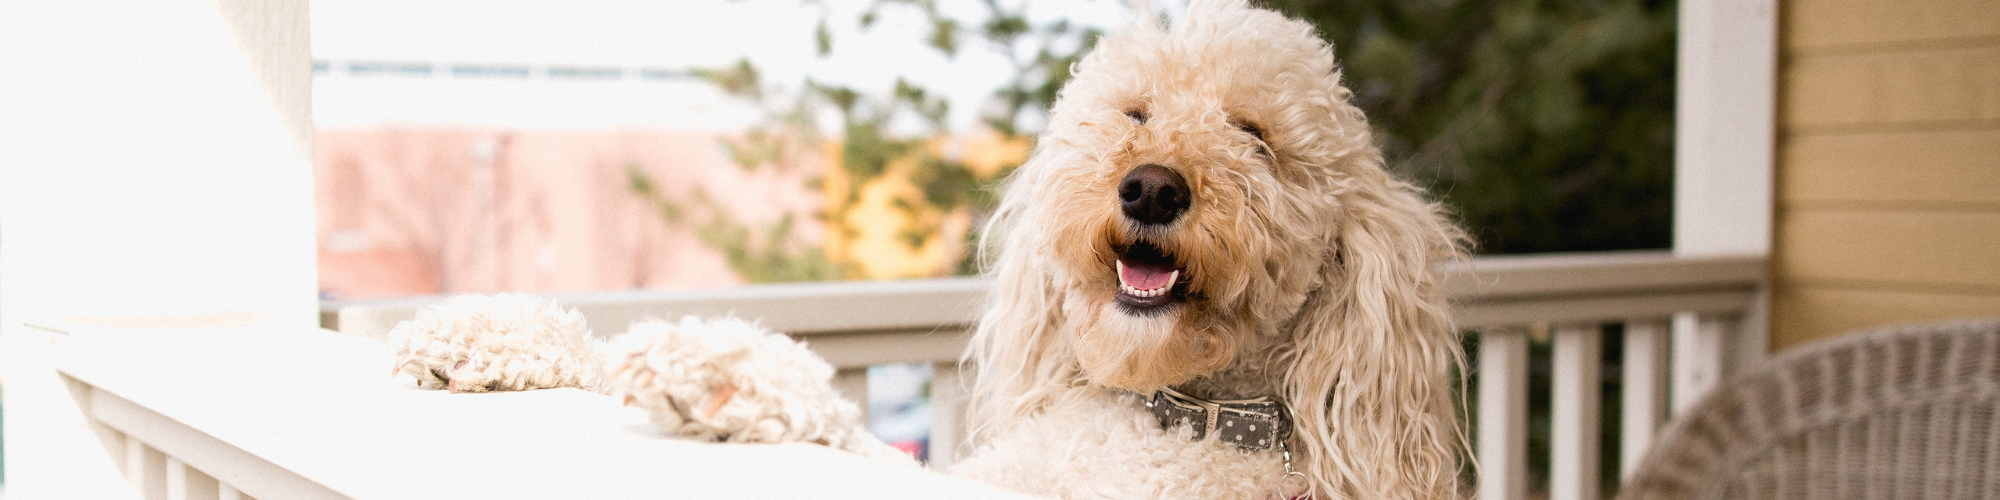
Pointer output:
776, 35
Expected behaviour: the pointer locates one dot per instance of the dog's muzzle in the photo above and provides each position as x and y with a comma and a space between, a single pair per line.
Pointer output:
1152, 197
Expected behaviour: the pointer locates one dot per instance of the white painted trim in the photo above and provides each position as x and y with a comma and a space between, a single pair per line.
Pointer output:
1724, 120
162, 436
1725, 145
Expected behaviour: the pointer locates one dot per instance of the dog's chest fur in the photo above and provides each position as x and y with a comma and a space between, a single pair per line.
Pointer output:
1097, 443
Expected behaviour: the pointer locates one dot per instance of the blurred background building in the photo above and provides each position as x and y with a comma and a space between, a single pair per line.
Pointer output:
461, 147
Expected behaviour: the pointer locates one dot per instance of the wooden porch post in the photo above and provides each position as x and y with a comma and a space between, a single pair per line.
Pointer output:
1723, 147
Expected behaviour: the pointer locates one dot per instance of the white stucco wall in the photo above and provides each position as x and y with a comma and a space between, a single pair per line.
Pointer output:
153, 164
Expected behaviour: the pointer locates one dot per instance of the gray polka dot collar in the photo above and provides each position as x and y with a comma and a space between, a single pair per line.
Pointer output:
1251, 424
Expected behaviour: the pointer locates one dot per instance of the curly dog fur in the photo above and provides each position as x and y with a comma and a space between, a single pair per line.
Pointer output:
1264, 251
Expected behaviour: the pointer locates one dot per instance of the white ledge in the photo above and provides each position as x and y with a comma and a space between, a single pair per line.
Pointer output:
313, 414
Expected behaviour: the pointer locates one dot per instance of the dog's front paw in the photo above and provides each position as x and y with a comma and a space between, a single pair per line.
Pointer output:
506, 342
727, 380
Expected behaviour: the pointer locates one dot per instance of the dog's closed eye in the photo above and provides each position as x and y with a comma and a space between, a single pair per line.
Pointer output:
1250, 128
1263, 146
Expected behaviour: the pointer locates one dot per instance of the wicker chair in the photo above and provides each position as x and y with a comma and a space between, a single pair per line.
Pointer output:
1910, 412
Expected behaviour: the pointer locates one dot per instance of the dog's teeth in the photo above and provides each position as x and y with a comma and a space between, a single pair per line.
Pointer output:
1173, 278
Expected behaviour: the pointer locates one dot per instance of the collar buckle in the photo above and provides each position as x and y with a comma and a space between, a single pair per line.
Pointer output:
1250, 424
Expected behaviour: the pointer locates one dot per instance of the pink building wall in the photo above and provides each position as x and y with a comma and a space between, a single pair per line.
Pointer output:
409, 211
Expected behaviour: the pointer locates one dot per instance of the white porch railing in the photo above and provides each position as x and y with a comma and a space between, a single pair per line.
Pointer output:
274, 413
1679, 315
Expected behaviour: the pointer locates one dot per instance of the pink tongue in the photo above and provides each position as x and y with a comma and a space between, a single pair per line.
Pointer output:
1145, 276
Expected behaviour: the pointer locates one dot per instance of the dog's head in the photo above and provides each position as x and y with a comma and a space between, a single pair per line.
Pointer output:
1205, 195
1189, 188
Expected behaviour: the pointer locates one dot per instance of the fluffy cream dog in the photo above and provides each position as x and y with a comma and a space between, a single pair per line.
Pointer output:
1206, 286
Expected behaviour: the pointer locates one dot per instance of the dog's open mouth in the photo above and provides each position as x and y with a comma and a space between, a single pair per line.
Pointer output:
1148, 278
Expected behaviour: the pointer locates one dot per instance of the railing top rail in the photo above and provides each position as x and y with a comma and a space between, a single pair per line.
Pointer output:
1570, 274
1481, 284
795, 308
1507, 291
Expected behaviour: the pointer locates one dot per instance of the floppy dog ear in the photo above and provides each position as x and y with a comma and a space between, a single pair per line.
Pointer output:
1375, 349
1017, 348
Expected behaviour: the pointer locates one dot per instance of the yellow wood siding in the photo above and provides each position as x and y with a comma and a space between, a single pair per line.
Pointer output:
1917, 168
1874, 24
1892, 90
1888, 167
1889, 245
1833, 311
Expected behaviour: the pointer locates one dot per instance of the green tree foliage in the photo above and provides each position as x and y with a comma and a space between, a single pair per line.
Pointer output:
1547, 124
790, 134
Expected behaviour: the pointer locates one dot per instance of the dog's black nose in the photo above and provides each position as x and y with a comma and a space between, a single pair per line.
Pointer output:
1153, 194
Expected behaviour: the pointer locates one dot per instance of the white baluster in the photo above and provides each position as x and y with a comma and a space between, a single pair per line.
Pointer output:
1645, 397
116, 446
852, 383
1699, 356
947, 413
145, 470
1503, 414
186, 483
1573, 445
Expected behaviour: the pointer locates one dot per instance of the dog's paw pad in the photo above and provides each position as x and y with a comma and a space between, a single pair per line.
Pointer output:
506, 342
730, 381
